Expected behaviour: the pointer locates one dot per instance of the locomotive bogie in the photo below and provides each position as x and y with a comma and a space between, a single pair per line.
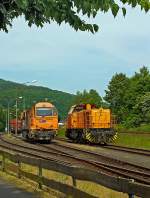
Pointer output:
97, 136
39, 135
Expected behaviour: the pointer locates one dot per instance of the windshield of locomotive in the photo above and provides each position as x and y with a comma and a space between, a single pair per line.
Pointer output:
45, 111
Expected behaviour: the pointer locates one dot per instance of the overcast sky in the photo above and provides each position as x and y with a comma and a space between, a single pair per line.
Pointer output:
62, 59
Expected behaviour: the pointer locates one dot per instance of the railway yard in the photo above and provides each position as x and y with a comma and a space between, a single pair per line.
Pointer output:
112, 160
85, 152
75, 107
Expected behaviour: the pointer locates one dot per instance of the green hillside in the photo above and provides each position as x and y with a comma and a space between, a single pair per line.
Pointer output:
9, 91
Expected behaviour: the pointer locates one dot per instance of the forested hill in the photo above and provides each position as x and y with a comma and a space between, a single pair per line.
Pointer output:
9, 91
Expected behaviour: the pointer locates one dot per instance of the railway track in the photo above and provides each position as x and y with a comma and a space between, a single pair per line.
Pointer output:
132, 150
62, 154
118, 167
135, 133
30, 151
129, 149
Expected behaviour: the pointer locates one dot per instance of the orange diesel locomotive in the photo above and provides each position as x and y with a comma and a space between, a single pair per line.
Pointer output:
86, 123
40, 122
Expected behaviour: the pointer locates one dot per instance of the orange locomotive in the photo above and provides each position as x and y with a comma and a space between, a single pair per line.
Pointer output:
40, 122
86, 123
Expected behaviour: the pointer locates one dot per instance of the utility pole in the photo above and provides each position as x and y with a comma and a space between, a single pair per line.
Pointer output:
8, 120
24, 104
16, 129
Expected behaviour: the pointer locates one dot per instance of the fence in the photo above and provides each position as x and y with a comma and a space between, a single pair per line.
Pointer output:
115, 183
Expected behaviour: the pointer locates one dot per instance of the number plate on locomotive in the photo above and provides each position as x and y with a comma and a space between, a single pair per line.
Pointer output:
42, 121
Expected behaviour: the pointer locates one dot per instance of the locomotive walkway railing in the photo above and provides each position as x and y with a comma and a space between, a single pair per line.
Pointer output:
118, 184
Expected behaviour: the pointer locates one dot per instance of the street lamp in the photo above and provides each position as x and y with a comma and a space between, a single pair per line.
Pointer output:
8, 116
17, 114
30, 82
33, 81
26, 83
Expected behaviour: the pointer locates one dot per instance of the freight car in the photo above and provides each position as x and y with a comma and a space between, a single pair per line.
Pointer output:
40, 122
86, 123
13, 125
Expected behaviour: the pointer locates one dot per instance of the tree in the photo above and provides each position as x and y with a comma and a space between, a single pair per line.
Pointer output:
9, 91
139, 84
69, 11
115, 95
91, 97
142, 108
129, 97
2, 118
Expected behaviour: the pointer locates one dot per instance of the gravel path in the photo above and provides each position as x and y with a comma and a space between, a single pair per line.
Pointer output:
9, 191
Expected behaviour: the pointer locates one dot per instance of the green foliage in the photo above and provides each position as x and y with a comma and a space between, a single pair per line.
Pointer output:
129, 98
39, 12
91, 97
142, 108
115, 95
143, 128
132, 120
2, 118
31, 94
61, 132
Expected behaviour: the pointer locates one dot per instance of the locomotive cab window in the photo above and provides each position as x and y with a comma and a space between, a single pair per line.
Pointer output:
45, 111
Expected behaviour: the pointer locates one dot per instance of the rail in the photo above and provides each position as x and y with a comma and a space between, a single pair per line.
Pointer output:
115, 183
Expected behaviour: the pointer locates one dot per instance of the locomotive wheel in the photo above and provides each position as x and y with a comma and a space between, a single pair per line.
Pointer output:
105, 144
80, 138
49, 141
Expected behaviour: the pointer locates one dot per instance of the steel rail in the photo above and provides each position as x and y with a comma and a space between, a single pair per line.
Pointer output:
125, 172
129, 149
13, 147
119, 148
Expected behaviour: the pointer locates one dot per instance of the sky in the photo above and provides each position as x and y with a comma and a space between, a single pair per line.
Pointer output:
62, 59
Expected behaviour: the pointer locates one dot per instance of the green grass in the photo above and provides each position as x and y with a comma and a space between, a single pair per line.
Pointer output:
133, 140
61, 132
145, 128
124, 139
89, 187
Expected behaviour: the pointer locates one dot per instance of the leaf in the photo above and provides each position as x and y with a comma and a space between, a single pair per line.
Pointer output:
124, 12
115, 9
22, 3
147, 6
67, 11
96, 28
94, 13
